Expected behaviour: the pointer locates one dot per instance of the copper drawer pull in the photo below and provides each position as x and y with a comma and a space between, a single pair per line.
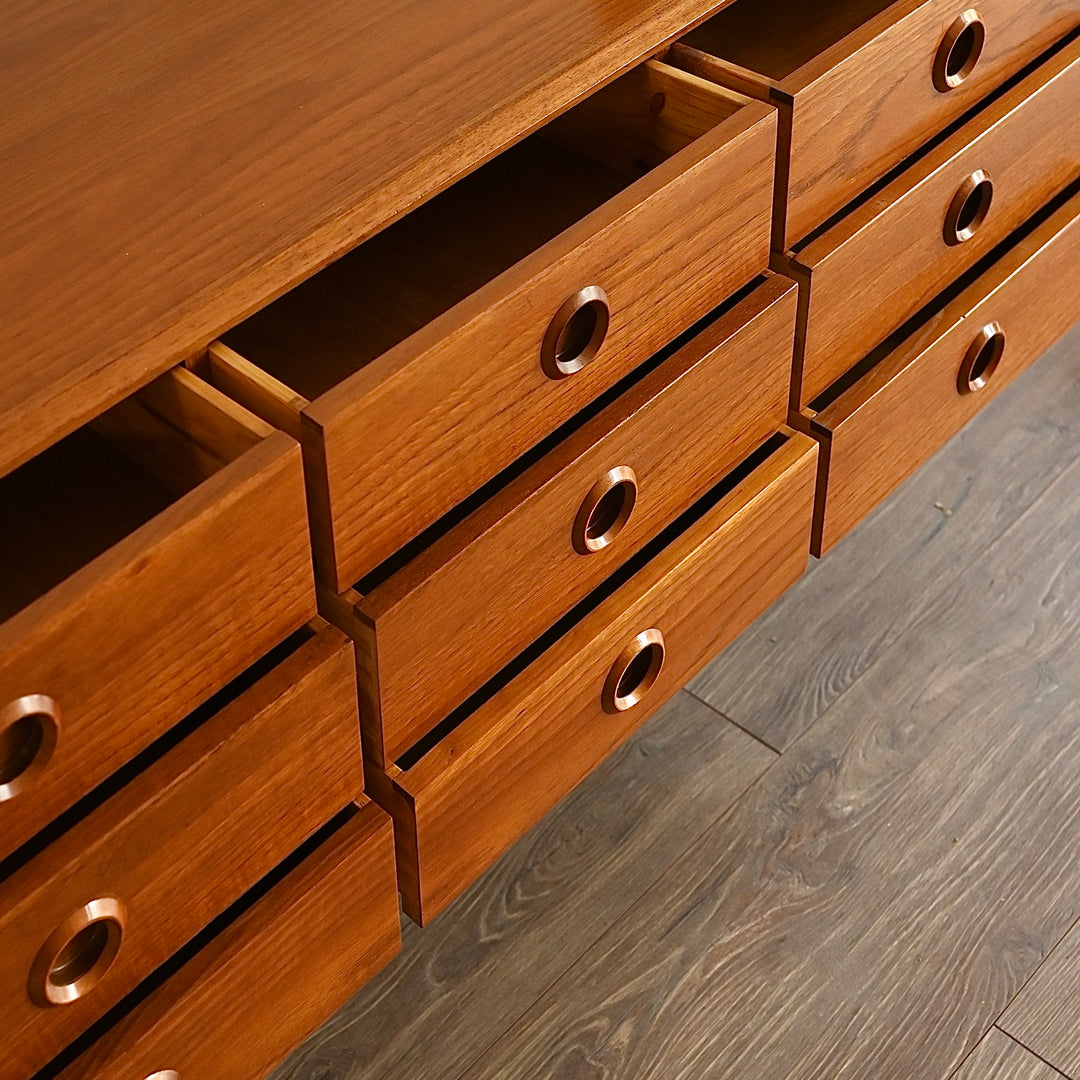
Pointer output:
635, 672
959, 51
576, 333
29, 729
982, 358
78, 953
969, 208
605, 510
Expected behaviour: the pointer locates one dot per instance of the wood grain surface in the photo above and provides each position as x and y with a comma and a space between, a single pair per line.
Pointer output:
1019, 141
259, 987
1045, 1016
875, 901
998, 1057
462, 981
185, 838
511, 569
883, 574
866, 100
258, 141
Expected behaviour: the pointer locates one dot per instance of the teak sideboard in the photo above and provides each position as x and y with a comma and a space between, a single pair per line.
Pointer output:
400, 403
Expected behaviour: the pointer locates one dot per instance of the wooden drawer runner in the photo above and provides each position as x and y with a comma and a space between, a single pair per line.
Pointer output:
96, 911
437, 630
145, 561
882, 263
420, 365
881, 429
861, 84
480, 788
257, 989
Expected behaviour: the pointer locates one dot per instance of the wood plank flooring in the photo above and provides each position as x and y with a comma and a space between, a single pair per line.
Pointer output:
868, 902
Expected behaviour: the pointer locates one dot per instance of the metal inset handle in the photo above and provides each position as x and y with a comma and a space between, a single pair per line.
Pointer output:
605, 510
635, 672
576, 333
29, 730
78, 953
969, 208
164, 1074
982, 359
959, 51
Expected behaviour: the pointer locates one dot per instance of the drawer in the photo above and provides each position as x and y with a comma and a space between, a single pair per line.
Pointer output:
421, 364
461, 801
145, 561
524, 558
96, 911
879, 430
292, 957
936, 220
861, 84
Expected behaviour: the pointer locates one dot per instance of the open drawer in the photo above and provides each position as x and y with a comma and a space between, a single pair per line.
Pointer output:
435, 631
935, 220
878, 429
295, 949
145, 560
421, 364
98, 909
460, 799
861, 84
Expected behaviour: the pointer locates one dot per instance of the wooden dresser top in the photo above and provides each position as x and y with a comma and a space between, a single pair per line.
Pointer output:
168, 168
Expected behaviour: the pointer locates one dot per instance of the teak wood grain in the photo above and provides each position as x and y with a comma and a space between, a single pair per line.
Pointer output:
998, 1057
258, 142
875, 434
854, 82
511, 569
268, 979
1046, 1014
135, 639
1029, 155
488, 781
415, 429
185, 838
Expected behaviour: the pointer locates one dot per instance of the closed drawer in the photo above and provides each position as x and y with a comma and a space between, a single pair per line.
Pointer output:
258, 988
96, 911
878, 431
879, 265
437, 630
460, 803
862, 83
421, 364
145, 561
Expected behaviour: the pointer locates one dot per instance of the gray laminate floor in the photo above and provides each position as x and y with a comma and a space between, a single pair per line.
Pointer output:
849, 849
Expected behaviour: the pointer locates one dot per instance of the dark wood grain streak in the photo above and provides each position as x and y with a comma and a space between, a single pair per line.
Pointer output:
464, 980
893, 880
998, 1057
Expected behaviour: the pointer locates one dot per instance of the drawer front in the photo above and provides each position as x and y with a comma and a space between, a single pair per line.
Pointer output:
84, 921
937, 220
108, 660
884, 427
281, 969
487, 782
394, 447
521, 561
855, 117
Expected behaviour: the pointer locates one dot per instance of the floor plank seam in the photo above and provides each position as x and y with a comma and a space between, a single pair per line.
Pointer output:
1048, 1064
734, 723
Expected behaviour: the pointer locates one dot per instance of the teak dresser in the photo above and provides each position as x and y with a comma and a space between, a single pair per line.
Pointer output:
399, 403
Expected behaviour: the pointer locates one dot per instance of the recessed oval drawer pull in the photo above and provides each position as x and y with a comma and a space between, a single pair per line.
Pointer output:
78, 953
164, 1074
982, 358
959, 51
605, 510
29, 729
969, 208
635, 672
576, 333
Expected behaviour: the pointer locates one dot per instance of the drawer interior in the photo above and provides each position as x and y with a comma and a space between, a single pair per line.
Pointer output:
778, 38
383, 291
86, 493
